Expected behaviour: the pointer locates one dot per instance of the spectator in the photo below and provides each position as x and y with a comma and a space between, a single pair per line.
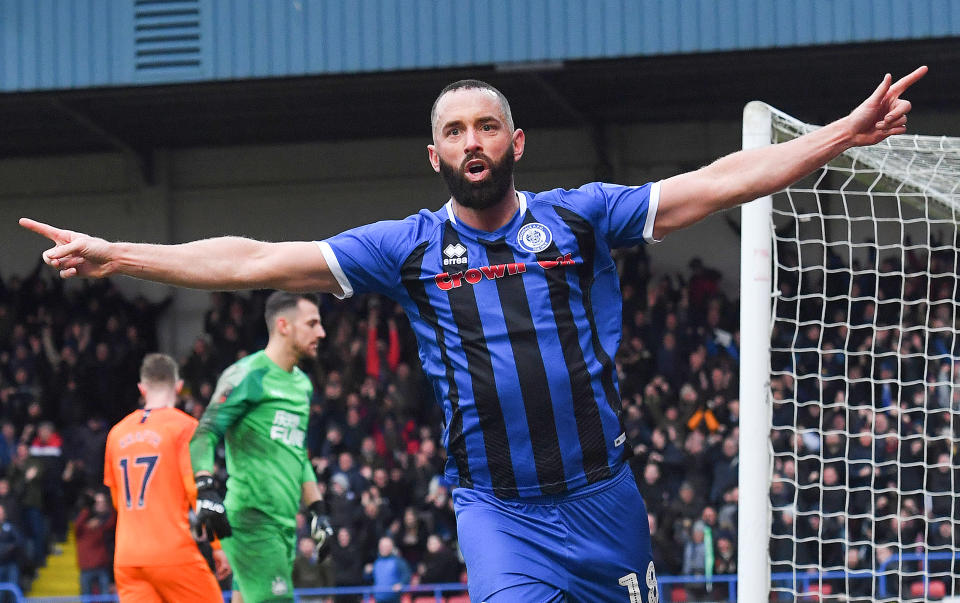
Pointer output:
374, 523
347, 563
390, 573
95, 527
725, 469
725, 558
695, 556
25, 474
200, 365
652, 488
439, 511
342, 502
47, 446
307, 572
667, 556
85, 447
412, 537
440, 565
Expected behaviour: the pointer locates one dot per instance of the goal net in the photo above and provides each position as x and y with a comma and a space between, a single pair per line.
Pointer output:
850, 375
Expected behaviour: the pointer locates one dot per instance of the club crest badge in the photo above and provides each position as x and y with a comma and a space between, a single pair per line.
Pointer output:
534, 237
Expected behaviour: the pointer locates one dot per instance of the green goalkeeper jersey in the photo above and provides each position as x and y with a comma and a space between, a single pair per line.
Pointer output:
261, 411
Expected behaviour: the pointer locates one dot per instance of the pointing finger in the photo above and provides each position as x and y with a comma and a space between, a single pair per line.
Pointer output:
45, 230
908, 80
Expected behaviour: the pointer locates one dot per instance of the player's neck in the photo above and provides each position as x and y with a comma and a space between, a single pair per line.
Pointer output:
281, 354
490, 218
154, 402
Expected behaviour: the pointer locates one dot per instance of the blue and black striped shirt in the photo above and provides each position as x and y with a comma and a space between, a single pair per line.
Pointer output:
517, 329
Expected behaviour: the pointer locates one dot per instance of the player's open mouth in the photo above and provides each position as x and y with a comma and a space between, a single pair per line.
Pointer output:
475, 170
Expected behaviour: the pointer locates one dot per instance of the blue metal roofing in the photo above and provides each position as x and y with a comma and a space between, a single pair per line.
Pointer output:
59, 44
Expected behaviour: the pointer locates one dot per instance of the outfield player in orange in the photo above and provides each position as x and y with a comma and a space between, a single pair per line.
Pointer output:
147, 467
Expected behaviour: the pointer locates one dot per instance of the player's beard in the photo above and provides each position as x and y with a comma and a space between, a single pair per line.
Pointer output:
306, 352
486, 193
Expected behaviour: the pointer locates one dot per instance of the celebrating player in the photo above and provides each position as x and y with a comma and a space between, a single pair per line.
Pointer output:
147, 468
497, 280
260, 406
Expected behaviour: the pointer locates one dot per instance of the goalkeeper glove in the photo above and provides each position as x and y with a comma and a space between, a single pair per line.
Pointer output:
211, 514
320, 528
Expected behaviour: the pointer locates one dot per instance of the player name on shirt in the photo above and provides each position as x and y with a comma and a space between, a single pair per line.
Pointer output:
286, 429
144, 435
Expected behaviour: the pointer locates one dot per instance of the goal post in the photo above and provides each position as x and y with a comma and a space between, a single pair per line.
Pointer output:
850, 375
755, 287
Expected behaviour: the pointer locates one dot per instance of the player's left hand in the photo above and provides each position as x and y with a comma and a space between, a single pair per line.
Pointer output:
320, 528
220, 564
211, 514
884, 113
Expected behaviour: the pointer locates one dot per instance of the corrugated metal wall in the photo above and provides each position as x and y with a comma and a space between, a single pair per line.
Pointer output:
49, 44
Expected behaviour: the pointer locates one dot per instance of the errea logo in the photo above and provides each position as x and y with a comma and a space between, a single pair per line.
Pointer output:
455, 255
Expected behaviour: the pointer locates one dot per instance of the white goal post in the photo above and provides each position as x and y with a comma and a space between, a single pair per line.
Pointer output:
850, 375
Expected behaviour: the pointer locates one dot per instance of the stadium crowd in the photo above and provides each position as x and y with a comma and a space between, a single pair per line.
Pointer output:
70, 356
865, 402
68, 367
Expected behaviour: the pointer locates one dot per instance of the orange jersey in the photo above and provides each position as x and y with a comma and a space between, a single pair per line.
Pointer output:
147, 468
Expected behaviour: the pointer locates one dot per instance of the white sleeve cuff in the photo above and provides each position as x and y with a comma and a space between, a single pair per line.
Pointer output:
335, 269
652, 205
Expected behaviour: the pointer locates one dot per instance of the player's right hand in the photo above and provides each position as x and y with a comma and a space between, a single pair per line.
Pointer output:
211, 514
73, 253
320, 528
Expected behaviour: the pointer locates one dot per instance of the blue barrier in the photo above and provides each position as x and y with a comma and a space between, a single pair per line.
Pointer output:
912, 557
805, 581
439, 591
729, 579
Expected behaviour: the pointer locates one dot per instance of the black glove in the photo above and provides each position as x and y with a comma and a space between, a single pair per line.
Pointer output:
320, 528
211, 514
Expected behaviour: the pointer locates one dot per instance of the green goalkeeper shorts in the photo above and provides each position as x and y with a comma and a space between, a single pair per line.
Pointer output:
261, 554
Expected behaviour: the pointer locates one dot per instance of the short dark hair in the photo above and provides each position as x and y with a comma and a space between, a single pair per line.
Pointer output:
281, 301
476, 84
159, 368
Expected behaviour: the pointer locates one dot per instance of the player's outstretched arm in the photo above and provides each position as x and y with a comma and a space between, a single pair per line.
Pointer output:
749, 174
223, 263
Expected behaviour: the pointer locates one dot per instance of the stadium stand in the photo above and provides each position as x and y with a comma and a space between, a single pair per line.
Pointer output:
69, 363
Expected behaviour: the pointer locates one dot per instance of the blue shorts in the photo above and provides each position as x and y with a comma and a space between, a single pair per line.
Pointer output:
589, 545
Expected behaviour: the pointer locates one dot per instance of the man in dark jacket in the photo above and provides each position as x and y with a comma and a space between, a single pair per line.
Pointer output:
309, 571
25, 474
440, 565
347, 563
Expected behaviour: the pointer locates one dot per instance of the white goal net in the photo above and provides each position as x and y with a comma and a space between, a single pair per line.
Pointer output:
856, 408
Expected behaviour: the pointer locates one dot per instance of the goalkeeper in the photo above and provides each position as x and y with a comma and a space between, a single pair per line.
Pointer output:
260, 407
